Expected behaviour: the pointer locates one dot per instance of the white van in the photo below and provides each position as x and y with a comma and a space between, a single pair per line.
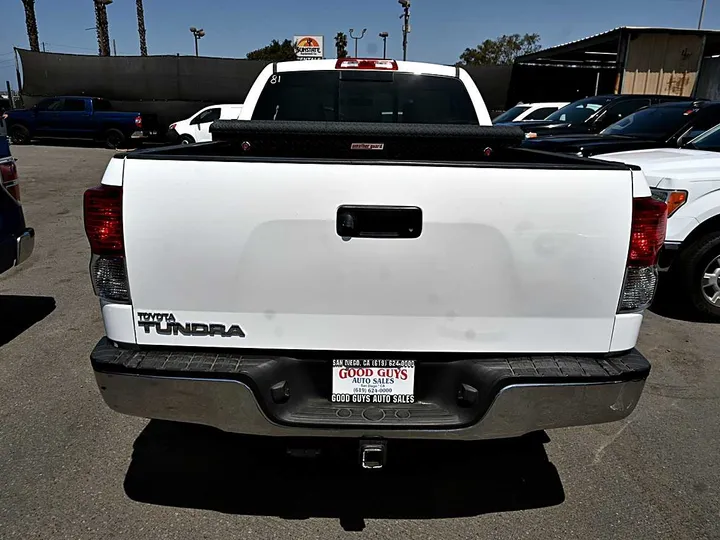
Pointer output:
197, 127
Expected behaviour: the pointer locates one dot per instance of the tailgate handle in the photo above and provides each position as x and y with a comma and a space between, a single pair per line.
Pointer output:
355, 221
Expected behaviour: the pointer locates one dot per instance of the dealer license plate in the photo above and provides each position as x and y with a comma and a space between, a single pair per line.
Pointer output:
373, 380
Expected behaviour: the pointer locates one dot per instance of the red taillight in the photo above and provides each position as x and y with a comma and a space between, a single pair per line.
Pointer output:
172, 126
366, 63
9, 178
138, 121
649, 221
647, 236
103, 220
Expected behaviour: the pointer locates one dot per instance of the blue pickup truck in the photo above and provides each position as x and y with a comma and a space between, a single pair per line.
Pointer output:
71, 117
16, 240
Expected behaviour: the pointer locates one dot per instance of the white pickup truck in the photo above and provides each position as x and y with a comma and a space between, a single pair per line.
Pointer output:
364, 255
688, 180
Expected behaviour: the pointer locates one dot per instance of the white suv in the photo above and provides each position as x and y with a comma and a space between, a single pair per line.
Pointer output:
197, 127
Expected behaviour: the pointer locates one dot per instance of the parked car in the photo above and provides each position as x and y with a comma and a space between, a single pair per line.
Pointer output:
16, 240
591, 115
197, 127
71, 117
688, 180
332, 284
667, 125
525, 112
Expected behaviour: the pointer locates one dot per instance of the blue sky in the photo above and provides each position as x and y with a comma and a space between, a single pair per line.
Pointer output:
440, 30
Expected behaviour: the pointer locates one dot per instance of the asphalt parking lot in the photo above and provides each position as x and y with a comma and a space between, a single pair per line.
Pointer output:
71, 468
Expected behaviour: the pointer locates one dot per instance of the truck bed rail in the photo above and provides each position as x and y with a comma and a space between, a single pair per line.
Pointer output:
387, 144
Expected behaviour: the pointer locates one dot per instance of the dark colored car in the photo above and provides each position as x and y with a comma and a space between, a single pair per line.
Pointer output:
16, 240
591, 115
79, 118
666, 125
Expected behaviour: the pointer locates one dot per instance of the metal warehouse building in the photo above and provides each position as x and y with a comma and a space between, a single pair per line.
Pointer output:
626, 60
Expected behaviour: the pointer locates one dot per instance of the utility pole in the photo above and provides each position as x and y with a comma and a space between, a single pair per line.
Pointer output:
357, 39
384, 36
406, 24
197, 34
114, 48
702, 14
43, 46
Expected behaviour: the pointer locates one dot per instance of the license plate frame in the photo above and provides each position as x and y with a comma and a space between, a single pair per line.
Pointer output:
373, 381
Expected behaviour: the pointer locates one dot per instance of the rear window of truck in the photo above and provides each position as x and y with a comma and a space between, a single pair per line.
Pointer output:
365, 96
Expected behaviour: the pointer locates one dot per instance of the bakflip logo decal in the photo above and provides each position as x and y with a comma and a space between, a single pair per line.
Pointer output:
367, 146
165, 324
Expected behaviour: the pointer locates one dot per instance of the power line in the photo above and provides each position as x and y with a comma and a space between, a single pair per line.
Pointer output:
69, 46
58, 45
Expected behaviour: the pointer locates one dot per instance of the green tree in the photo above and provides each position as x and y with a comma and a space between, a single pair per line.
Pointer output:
275, 52
341, 43
31, 24
501, 51
141, 27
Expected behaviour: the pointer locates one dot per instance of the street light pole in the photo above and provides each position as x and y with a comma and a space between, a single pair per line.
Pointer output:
384, 36
702, 14
197, 34
356, 38
406, 24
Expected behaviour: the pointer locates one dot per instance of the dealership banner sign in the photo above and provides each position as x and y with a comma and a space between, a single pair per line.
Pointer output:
309, 47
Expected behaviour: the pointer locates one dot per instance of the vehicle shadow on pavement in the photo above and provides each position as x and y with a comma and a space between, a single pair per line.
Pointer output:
18, 313
189, 466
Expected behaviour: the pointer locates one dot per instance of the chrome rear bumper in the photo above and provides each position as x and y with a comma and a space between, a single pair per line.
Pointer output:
230, 405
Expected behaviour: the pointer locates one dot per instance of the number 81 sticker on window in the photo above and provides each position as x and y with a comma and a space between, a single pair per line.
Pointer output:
373, 380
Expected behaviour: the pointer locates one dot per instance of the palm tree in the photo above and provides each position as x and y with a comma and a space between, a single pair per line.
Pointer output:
141, 27
31, 23
101, 24
341, 42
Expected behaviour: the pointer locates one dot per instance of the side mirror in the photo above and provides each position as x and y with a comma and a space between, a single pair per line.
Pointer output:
682, 141
685, 138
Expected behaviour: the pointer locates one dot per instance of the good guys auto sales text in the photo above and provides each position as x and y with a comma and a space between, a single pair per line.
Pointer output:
372, 398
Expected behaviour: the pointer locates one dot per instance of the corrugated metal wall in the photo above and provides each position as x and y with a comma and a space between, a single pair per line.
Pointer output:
664, 64
708, 86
